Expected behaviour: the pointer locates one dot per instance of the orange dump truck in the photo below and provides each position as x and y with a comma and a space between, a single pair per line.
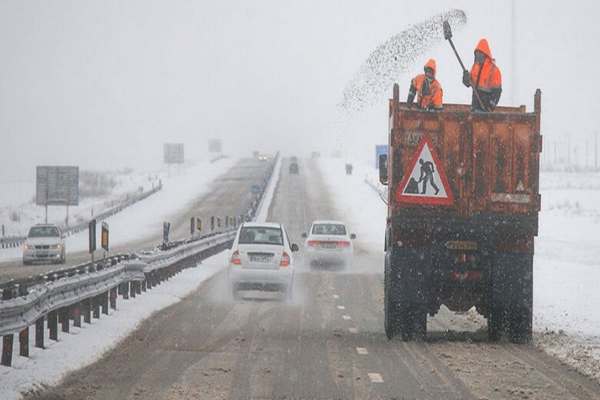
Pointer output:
463, 203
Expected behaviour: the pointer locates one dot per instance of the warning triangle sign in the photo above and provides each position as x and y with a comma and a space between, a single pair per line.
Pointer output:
425, 181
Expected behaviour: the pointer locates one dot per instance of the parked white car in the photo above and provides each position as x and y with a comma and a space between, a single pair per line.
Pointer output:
328, 243
45, 243
262, 259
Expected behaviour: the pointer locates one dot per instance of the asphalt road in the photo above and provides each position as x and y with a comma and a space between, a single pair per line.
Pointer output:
228, 195
328, 343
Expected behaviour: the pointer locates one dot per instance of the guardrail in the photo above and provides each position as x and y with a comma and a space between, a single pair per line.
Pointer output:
88, 290
16, 241
380, 189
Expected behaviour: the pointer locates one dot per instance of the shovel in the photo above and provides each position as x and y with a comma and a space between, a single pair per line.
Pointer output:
448, 37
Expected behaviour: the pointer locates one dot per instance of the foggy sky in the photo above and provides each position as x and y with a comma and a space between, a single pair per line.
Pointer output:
103, 84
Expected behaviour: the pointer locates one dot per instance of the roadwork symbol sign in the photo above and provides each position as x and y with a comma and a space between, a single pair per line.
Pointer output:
425, 181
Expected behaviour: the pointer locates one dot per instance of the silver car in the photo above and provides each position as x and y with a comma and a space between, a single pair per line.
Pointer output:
45, 243
262, 259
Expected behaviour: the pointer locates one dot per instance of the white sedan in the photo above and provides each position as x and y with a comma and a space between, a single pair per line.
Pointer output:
328, 242
262, 259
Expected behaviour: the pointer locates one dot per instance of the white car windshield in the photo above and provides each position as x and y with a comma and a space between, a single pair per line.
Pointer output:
328, 229
261, 235
43, 231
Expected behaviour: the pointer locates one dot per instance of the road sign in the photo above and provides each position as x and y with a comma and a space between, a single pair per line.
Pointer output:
215, 146
380, 149
57, 186
104, 236
173, 153
92, 236
166, 230
425, 181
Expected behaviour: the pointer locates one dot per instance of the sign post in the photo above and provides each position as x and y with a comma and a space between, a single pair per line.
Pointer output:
166, 229
104, 238
192, 226
57, 186
92, 237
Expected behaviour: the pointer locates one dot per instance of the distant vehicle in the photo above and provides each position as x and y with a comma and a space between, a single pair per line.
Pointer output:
315, 154
328, 243
294, 169
45, 243
262, 259
349, 169
294, 159
263, 157
462, 216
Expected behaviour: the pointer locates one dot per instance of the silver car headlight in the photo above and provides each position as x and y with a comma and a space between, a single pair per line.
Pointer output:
56, 246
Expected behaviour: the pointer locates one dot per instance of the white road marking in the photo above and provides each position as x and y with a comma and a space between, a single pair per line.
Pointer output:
341, 307
375, 378
353, 330
335, 296
362, 351
346, 317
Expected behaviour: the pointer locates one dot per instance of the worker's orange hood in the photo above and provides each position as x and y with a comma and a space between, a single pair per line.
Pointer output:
484, 47
431, 64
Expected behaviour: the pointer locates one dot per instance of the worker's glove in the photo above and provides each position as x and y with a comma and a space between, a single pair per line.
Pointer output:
466, 78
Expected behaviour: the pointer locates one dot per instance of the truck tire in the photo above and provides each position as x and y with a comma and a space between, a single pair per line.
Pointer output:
391, 302
520, 314
495, 321
511, 297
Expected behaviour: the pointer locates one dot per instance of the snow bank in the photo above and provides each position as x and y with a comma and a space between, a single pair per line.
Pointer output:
86, 345
144, 219
356, 203
263, 209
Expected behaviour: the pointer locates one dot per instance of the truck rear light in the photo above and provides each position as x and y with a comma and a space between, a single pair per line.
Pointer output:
465, 276
235, 258
285, 260
343, 243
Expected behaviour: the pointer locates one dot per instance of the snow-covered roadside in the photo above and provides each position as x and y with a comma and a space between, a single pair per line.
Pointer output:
86, 345
144, 219
264, 206
566, 263
356, 203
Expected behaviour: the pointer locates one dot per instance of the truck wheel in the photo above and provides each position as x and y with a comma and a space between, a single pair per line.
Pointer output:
521, 310
495, 321
391, 304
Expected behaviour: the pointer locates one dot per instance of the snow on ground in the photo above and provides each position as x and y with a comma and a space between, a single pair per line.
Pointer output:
18, 210
356, 203
263, 211
87, 344
145, 219
566, 263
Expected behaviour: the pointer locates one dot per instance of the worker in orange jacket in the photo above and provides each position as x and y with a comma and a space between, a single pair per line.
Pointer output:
427, 89
485, 78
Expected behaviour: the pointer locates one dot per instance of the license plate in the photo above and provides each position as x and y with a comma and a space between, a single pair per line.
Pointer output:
261, 259
328, 245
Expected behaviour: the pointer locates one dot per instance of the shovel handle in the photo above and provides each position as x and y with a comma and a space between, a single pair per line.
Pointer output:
464, 70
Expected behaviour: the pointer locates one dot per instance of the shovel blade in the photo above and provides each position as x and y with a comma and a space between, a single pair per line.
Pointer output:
447, 31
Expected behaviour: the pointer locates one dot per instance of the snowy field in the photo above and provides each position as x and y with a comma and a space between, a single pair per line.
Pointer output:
566, 263
18, 210
82, 346
145, 218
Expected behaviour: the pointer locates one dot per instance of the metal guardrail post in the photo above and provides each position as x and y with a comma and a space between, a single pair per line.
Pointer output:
64, 319
96, 307
53, 325
105, 299
132, 290
125, 290
76, 314
24, 342
39, 333
7, 349
87, 310
113, 298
